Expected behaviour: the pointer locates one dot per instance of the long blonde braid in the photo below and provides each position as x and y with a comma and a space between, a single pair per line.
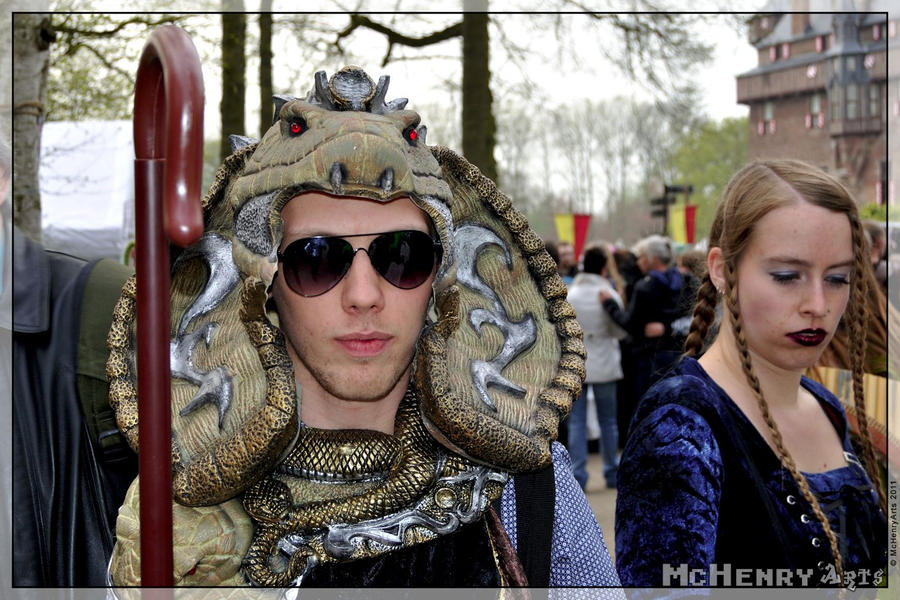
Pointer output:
731, 303
704, 316
857, 322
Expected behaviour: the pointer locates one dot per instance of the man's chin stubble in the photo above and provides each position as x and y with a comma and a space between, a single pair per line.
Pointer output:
356, 392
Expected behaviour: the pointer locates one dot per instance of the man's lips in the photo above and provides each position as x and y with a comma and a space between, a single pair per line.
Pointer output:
809, 337
364, 344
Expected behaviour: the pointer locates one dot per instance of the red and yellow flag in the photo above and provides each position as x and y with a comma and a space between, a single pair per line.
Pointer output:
682, 219
573, 228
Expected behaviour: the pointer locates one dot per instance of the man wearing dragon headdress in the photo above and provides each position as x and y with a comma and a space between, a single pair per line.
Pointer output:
366, 343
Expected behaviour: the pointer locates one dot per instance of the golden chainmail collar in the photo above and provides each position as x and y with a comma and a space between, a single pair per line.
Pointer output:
341, 495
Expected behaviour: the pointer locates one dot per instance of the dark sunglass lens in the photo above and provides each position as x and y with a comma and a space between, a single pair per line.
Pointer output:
312, 266
404, 258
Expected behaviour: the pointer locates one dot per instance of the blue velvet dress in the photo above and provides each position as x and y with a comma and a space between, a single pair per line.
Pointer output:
703, 500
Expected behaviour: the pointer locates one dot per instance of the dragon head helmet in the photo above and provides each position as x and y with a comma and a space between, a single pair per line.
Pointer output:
499, 361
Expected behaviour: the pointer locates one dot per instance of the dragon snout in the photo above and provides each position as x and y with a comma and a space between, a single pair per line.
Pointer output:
339, 174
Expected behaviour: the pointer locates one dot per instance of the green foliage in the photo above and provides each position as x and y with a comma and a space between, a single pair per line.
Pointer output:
873, 211
82, 88
707, 156
94, 60
878, 212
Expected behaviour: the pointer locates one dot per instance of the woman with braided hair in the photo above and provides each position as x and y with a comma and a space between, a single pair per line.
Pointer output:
738, 469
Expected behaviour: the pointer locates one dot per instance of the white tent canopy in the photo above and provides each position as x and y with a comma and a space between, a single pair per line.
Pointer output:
87, 187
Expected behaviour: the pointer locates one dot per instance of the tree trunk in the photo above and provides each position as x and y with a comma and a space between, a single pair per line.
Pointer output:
234, 33
478, 125
31, 54
265, 67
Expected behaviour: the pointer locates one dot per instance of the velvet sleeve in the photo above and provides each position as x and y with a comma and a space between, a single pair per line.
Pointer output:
669, 486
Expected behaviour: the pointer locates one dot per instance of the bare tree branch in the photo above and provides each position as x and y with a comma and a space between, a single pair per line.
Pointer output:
105, 33
93, 60
394, 37
653, 40
99, 56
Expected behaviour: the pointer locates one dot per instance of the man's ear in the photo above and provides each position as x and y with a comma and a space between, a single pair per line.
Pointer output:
715, 262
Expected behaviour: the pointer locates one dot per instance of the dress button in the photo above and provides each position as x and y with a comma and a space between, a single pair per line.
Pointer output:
791, 500
821, 564
804, 519
815, 542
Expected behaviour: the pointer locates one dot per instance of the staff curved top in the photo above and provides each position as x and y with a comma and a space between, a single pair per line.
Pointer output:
168, 125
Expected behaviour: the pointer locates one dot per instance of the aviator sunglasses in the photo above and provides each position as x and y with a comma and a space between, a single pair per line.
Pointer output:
313, 265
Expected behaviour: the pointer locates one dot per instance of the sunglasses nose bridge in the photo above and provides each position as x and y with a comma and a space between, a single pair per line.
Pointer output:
377, 263
366, 251
356, 251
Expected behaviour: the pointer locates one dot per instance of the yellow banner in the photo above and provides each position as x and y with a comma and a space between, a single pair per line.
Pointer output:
881, 408
565, 227
677, 224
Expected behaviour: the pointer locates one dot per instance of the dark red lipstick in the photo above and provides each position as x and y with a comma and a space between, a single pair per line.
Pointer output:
809, 337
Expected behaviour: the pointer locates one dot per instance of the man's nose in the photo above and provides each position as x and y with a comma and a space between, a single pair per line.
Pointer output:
361, 289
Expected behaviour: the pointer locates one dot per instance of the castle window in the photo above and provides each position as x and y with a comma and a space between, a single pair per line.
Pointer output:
815, 118
853, 101
835, 102
769, 117
874, 101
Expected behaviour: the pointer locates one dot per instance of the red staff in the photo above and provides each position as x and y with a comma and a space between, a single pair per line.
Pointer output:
168, 147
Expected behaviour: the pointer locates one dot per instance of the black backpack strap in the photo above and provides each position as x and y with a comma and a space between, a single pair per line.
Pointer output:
535, 503
102, 291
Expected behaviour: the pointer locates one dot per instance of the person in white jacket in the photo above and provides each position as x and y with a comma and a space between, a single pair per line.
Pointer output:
603, 365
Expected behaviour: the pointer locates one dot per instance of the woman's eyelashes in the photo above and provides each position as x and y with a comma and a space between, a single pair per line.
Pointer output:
838, 279
786, 277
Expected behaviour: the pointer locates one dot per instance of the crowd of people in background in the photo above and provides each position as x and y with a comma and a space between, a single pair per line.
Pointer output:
603, 365
635, 307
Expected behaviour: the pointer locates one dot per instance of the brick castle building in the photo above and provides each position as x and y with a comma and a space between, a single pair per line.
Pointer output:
822, 91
